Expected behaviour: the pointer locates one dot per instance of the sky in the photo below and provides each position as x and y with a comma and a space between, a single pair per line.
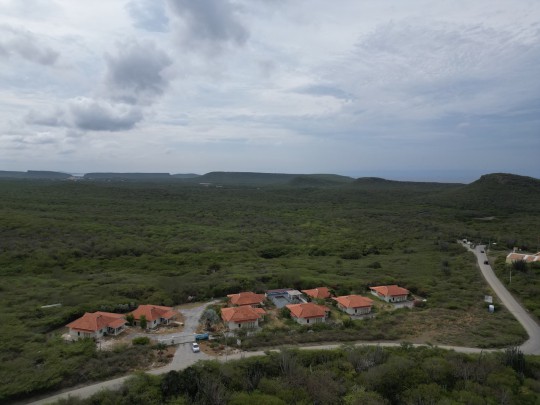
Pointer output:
409, 90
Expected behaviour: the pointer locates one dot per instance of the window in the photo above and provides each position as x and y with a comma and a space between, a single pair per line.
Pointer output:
239, 325
307, 321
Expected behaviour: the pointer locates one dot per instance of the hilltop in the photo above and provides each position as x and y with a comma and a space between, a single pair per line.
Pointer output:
495, 193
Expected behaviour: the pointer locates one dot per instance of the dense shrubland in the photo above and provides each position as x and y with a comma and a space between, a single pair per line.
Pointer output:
110, 246
350, 376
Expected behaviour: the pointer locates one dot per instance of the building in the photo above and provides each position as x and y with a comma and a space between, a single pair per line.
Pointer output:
309, 313
526, 257
96, 324
390, 293
320, 293
155, 315
354, 304
243, 317
246, 298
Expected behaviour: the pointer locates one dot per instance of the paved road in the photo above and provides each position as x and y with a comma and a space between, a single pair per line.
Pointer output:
531, 346
184, 357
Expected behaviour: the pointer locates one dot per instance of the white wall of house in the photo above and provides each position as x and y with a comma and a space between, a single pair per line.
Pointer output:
79, 334
309, 321
243, 325
398, 298
355, 311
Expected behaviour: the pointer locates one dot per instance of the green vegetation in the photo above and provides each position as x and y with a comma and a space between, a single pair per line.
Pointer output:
111, 245
350, 375
522, 279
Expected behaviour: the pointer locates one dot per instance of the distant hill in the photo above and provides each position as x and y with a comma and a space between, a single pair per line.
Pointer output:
128, 176
319, 180
35, 174
185, 175
270, 179
496, 192
377, 183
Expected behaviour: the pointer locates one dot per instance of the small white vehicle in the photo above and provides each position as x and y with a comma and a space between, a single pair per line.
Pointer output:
195, 348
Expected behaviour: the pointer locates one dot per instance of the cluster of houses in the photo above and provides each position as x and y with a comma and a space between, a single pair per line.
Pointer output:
245, 312
97, 324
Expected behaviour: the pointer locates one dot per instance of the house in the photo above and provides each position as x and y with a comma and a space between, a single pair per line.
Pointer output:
309, 313
320, 293
243, 317
246, 298
526, 257
155, 315
390, 293
96, 324
354, 304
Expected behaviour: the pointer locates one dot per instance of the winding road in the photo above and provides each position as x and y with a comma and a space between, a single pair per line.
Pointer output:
184, 357
532, 345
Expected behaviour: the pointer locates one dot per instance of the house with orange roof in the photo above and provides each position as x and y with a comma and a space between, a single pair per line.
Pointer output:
526, 257
246, 298
354, 304
96, 324
309, 313
390, 293
243, 317
321, 293
155, 315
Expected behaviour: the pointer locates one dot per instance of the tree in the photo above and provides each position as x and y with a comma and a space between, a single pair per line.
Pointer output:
130, 319
210, 318
144, 322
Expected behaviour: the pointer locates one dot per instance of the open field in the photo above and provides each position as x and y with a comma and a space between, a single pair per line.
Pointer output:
111, 245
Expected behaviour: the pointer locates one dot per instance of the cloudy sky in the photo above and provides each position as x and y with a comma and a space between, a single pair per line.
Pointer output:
416, 89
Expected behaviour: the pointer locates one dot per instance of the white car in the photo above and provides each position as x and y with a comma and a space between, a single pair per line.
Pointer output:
195, 347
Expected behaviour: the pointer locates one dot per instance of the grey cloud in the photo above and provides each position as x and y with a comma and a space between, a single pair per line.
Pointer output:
136, 74
211, 23
49, 119
325, 90
148, 15
26, 45
92, 115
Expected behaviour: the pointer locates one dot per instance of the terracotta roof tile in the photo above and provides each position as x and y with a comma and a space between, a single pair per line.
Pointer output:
241, 314
390, 290
354, 301
246, 298
319, 292
94, 321
153, 312
309, 310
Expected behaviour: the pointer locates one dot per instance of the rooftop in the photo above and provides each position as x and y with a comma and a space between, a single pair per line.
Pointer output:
309, 310
354, 301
